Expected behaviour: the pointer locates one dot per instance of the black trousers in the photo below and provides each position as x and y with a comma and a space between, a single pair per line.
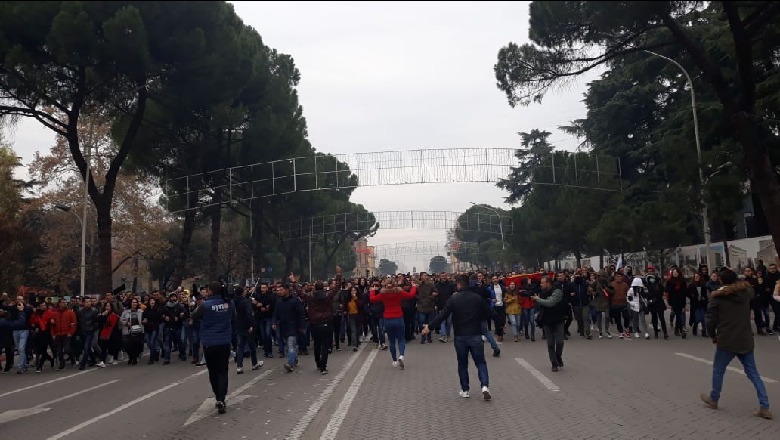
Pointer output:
217, 357
499, 319
656, 316
409, 316
336, 329
321, 334
555, 342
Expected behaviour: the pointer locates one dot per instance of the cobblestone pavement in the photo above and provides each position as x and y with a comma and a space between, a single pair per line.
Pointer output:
609, 389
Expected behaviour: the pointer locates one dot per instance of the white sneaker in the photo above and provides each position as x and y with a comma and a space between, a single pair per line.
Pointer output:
609, 335
257, 365
101, 365
636, 335
240, 370
401, 362
484, 339
114, 362
464, 394
486, 393
395, 364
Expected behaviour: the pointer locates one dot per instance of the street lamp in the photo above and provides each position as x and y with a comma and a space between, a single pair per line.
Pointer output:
704, 218
83, 242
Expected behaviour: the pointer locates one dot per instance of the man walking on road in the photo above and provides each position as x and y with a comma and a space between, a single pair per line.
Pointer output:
320, 306
728, 324
469, 311
553, 310
216, 331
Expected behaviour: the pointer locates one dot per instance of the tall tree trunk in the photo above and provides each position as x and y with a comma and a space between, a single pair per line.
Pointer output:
216, 226
184, 246
135, 274
105, 261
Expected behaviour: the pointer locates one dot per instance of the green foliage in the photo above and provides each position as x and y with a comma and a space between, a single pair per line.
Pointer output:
387, 267
639, 110
438, 264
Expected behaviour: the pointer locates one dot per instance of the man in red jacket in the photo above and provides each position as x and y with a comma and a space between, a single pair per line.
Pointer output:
62, 323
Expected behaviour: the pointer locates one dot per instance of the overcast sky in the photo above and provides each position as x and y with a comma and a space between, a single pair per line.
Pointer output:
399, 76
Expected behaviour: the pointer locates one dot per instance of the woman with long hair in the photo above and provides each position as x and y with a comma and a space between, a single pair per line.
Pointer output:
697, 293
107, 321
391, 296
676, 290
151, 322
512, 301
133, 331
353, 317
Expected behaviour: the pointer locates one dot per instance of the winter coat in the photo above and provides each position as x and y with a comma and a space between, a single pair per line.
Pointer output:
288, 316
636, 295
728, 318
426, 302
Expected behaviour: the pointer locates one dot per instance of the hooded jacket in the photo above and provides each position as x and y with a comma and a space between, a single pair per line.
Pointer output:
728, 317
636, 295
320, 306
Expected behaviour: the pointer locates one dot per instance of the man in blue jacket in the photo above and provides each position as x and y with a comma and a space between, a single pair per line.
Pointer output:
216, 314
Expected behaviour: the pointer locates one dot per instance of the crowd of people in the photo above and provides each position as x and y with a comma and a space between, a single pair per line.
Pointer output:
287, 318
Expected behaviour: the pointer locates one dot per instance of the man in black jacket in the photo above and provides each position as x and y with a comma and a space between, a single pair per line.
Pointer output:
245, 330
320, 312
87, 316
468, 311
287, 320
443, 293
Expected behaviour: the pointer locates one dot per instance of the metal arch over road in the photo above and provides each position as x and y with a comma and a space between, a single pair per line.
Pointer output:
432, 248
343, 171
346, 223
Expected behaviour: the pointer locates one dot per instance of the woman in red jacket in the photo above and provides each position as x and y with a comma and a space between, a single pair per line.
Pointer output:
107, 321
391, 297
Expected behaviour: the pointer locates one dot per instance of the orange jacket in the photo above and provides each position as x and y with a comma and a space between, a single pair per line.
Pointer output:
64, 322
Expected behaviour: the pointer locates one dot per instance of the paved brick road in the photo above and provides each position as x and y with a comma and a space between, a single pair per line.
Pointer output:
608, 389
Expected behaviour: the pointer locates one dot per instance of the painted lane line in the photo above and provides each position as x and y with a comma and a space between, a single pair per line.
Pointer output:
83, 425
14, 414
341, 410
538, 375
8, 393
207, 407
314, 408
730, 368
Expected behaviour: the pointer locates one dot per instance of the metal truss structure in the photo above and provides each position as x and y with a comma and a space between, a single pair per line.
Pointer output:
349, 223
343, 171
427, 248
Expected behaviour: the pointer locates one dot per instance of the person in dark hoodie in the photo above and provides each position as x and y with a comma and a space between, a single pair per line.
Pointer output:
173, 313
655, 301
728, 324
320, 313
287, 320
151, 321
216, 314
245, 331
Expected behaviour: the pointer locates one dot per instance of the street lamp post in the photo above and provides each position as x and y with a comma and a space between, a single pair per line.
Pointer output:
500, 228
83, 243
704, 217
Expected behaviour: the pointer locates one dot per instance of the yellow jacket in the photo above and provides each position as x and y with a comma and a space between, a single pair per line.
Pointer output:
512, 301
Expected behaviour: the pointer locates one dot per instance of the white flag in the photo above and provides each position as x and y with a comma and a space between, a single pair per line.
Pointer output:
619, 263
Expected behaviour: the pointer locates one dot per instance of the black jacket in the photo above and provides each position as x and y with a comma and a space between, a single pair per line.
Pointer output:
244, 317
288, 316
468, 310
265, 300
320, 306
445, 291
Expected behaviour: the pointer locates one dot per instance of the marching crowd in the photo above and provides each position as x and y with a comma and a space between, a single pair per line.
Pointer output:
287, 318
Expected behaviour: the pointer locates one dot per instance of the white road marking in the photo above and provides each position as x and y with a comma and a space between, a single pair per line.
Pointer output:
341, 410
14, 414
315, 407
8, 393
83, 425
734, 369
538, 375
207, 407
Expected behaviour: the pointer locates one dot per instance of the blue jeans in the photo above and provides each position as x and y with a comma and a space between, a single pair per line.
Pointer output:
151, 342
378, 329
514, 325
446, 325
244, 340
292, 352
722, 360
88, 336
264, 329
395, 335
20, 341
528, 318
171, 336
698, 317
424, 318
471, 344
489, 336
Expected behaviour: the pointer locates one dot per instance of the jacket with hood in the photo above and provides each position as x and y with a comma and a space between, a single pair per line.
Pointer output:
728, 318
654, 294
636, 295
320, 306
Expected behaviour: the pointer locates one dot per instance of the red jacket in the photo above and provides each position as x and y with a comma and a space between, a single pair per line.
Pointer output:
108, 327
392, 300
64, 322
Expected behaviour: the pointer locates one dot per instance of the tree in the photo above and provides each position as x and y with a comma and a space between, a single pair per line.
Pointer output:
13, 232
104, 58
139, 223
387, 267
573, 37
438, 264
